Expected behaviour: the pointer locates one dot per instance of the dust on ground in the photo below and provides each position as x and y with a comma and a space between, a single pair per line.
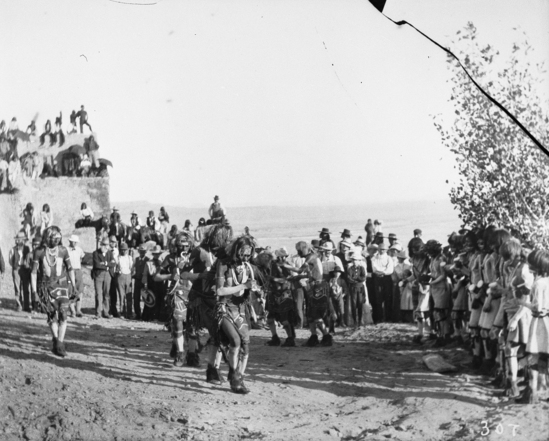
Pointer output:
118, 383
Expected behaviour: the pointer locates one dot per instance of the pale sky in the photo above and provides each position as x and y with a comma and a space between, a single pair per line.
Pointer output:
261, 102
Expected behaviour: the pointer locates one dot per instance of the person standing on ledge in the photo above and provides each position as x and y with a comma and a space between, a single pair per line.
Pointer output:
217, 212
83, 116
93, 151
370, 231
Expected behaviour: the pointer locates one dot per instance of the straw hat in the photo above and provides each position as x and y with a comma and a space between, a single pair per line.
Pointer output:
74, 238
281, 252
21, 235
157, 249
327, 246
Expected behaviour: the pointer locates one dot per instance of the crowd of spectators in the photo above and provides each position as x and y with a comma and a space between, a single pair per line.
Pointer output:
74, 161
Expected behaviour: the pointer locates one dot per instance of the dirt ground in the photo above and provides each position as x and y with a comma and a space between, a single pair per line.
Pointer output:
118, 383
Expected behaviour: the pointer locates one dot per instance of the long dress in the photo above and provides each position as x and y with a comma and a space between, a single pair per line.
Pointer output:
538, 340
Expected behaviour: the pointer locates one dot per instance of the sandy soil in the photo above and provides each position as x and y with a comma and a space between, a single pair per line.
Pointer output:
118, 383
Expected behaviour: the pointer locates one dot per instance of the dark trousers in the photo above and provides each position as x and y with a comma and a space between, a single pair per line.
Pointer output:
396, 303
102, 284
299, 299
137, 285
339, 306
382, 299
21, 284
356, 299
82, 124
113, 288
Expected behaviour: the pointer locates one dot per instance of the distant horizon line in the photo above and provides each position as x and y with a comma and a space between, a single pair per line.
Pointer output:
329, 204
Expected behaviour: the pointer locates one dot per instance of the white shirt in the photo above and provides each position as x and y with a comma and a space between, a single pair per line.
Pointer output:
76, 255
125, 264
383, 263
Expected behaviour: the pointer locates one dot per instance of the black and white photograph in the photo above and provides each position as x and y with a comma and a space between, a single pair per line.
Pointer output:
227, 220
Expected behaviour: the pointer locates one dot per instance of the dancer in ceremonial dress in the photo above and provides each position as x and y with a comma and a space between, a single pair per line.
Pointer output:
235, 279
52, 278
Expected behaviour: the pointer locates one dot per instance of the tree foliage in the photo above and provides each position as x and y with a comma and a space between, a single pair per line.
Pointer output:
504, 176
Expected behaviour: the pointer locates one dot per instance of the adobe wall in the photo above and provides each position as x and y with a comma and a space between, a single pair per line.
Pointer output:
64, 195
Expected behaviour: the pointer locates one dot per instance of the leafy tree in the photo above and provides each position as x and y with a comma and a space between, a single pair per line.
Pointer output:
504, 176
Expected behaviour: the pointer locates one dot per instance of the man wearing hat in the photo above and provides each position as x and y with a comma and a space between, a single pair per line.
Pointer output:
19, 259
135, 221
104, 264
76, 255
139, 279
325, 237
356, 276
378, 238
328, 259
123, 300
383, 268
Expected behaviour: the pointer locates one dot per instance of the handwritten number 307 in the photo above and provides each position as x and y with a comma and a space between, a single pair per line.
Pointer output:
499, 428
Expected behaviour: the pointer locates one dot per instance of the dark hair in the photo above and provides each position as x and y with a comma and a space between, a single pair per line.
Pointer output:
173, 229
46, 208
29, 207
455, 240
414, 246
510, 249
151, 212
432, 248
201, 221
236, 245
187, 223
498, 237
83, 206
539, 261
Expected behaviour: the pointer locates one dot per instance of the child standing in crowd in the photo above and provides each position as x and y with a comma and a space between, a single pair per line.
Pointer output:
338, 292
356, 276
421, 313
46, 218
538, 337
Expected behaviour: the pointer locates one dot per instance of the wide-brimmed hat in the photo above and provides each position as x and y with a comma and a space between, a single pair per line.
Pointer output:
114, 209
396, 247
113, 239
382, 246
392, 236
356, 254
346, 232
315, 243
372, 246
74, 238
157, 249
360, 242
417, 231
345, 243
402, 255
142, 248
133, 212
124, 246
327, 246
337, 269
21, 235
379, 234
281, 252
325, 231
